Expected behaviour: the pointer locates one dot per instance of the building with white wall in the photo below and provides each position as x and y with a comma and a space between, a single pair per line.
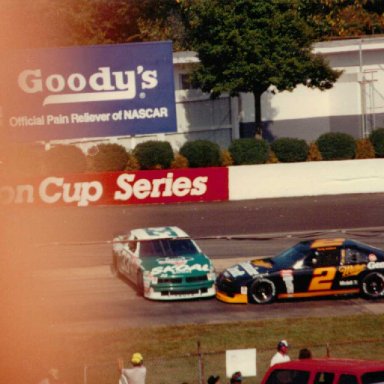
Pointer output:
355, 104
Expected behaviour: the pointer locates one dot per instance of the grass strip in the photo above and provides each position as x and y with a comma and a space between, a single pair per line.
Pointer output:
359, 336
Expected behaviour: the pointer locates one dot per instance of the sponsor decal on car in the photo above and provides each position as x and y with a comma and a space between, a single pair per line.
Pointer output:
374, 265
177, 261
287, 276
323, 243
235, 271
351, 270
244, 290
249, 268
261, 263
175, 269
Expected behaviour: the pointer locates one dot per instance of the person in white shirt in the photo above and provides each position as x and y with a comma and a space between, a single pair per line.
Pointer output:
281, 356
135, 375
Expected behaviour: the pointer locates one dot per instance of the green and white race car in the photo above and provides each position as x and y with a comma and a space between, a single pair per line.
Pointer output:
164, 263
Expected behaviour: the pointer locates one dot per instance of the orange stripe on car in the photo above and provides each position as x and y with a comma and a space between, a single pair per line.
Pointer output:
238, 298
318, 293
327, 243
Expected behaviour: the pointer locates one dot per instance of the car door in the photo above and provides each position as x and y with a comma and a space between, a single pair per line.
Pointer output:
317, 274
353, 262
129, 250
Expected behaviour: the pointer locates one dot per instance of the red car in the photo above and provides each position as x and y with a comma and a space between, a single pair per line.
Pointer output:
326, 371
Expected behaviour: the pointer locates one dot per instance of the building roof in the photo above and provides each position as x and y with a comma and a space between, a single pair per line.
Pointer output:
350, 45
374, 43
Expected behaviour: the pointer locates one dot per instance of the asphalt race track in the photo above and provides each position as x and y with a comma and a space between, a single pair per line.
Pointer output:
63, 257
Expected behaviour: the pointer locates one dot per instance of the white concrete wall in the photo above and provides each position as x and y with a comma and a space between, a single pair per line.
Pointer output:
306, 179
360, 89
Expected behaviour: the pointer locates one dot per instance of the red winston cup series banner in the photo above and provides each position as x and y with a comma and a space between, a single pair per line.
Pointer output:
120, 188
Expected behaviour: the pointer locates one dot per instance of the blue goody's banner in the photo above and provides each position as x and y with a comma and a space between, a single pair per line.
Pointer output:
89, 91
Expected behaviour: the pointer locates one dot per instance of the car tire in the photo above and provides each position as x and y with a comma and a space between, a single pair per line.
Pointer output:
139, 284
262, 291
372, 285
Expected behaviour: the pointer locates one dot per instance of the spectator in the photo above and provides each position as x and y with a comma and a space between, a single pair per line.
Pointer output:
53, 377
236, 378
281, 356
213, 380
305, 353
135, 375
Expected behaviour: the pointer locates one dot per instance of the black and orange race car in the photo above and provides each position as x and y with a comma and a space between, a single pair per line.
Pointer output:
320, 267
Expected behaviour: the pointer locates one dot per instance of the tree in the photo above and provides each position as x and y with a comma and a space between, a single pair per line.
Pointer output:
342, 18
47, 23
251, 45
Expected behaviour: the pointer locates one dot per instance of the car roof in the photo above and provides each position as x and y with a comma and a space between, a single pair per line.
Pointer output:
320, 243
153, 233
356, 366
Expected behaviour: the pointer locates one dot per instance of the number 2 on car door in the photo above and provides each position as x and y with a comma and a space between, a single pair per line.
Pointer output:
322, 279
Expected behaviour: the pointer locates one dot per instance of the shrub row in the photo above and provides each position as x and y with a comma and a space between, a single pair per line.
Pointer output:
152, 154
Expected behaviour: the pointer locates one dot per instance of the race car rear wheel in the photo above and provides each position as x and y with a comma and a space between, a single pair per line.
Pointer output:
372, 285
262, 291
139, 284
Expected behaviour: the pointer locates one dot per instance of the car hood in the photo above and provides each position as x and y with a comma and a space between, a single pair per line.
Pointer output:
250, 268
192, 264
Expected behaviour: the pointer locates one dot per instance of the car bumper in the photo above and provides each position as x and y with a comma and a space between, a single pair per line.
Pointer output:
236, 298
183, 294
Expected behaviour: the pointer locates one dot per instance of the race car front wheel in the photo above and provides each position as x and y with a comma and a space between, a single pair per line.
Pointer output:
262, 291
372, 285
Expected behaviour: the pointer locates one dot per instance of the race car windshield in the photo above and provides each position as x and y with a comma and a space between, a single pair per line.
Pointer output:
291, 255
167, 248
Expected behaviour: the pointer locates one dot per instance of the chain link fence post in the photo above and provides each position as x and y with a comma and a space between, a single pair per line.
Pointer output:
201, 363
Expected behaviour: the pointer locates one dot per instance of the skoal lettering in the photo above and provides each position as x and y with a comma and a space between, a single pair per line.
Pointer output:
173, 269
164, 187
100, 86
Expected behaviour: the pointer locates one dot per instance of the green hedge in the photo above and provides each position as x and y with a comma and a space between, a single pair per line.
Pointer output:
249, 151
154, 154
107, 157
64, 159
336, 146
377, 140
201, 153
290, 150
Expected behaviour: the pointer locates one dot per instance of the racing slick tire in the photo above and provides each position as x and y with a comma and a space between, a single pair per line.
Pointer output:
262, 291
372, 285
139, 284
